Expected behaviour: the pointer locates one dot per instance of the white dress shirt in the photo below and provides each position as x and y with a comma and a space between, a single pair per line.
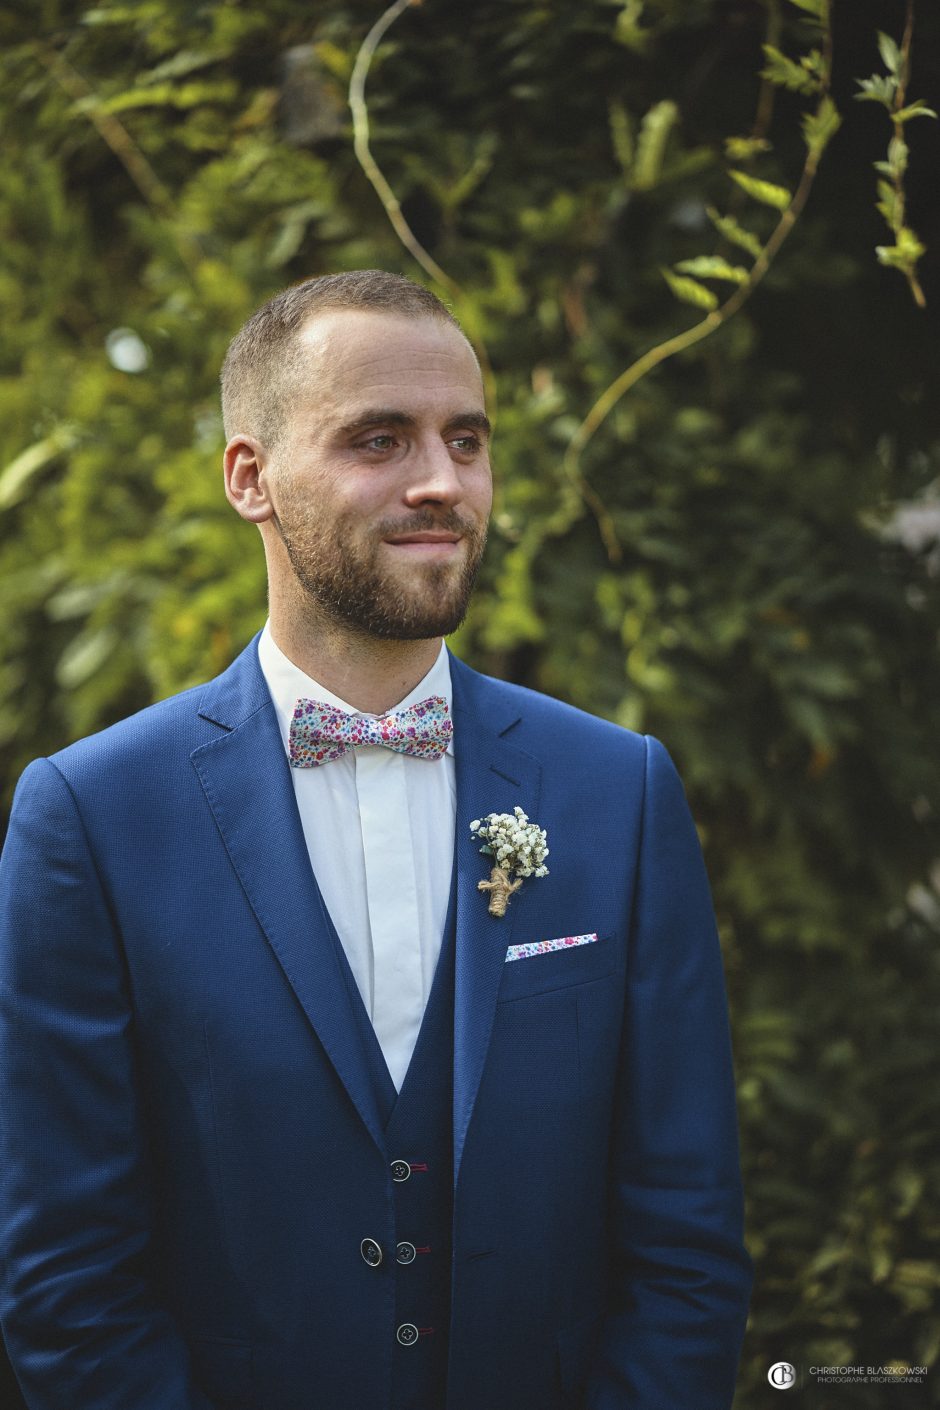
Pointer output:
379, 828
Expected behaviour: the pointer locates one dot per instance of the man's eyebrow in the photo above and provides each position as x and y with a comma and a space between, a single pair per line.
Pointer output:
380, 416
471, 421
476, 421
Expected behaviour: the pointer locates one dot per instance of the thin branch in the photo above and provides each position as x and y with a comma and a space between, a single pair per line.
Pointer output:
116, 136
900, 95
714, 320
763, 117
766, 103
767, 95
360, 117
681, 342
390, 202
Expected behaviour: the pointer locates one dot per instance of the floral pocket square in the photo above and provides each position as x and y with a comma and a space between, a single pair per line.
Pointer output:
546, 947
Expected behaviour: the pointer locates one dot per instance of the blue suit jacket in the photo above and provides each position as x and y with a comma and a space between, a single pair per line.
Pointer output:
191, 1147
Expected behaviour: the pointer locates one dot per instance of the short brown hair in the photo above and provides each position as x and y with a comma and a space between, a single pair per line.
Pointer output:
256, 372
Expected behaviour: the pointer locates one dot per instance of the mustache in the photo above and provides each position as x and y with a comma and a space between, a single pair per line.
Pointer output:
428, 522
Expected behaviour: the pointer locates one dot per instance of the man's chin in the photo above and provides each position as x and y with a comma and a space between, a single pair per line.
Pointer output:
433, 606
411, 602
416, 627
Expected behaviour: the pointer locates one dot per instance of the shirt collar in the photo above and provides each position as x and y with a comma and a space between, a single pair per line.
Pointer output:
288, 684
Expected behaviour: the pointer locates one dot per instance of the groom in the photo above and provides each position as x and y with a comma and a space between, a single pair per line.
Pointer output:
291, 1117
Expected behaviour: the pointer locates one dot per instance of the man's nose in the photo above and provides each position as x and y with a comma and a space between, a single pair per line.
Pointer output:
433, 474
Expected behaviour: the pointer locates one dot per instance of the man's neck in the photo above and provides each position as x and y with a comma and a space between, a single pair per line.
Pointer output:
370, 674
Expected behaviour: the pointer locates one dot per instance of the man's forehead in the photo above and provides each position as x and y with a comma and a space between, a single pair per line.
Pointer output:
377, 330
367, 358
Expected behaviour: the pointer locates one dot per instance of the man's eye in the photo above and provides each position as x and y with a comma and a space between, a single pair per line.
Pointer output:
467, 445
382, 442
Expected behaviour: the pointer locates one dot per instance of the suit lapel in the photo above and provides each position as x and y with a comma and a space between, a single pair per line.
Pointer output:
493, 776
246, 777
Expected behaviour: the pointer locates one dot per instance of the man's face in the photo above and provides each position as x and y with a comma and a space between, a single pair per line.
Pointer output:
381, 480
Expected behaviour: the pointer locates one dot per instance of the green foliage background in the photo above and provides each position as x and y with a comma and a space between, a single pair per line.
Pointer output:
775, 493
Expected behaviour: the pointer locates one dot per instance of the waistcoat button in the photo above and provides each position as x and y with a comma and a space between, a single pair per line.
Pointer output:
405, 1252
400, 1171
371, 1252
407, 1334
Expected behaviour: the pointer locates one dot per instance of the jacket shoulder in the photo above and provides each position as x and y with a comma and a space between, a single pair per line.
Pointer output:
169, 722
170, 728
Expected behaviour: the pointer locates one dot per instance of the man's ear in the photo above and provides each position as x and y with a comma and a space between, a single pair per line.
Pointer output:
244, 464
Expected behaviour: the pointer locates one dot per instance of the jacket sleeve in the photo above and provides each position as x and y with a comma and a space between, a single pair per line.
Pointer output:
80, 1317
681, 1277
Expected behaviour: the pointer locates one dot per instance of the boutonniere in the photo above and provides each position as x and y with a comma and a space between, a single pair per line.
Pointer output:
518, 846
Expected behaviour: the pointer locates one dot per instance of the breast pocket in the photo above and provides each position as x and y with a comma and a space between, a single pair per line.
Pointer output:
540, 972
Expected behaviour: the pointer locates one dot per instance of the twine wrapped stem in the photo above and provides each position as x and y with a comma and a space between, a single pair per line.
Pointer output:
500, 888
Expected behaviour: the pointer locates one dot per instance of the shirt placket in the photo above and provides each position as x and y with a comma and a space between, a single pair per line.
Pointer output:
388, 851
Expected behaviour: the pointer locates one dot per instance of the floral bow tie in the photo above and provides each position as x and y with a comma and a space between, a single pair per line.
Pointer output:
319, 732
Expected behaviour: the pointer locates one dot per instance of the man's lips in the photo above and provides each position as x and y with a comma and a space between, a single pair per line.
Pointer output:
425, 536
426, 544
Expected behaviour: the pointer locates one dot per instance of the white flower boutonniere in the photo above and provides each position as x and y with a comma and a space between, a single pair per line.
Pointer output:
518, 846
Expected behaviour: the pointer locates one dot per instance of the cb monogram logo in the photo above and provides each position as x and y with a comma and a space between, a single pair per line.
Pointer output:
782, 1375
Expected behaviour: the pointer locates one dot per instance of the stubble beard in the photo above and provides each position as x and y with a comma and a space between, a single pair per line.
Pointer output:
347, 582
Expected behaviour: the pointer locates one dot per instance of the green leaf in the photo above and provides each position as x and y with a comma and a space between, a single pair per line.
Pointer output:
905, 253
651, 143
295, 220
15, 478
909, 1188
184, 62
887, 203
169, 95
727, 226
807, 76
454, 196
881, 1263
79, 599
918, 1272
742, 149
889, 51
820, 127
877, 89
120, 14
765, 191
898, 153
816, 8
891, 256
690, 291
811, 719
914, 110
621, 135
713, 267
334, 59
627, 30
85, 655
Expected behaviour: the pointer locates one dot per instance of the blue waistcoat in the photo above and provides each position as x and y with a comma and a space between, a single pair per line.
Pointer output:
418, 1137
